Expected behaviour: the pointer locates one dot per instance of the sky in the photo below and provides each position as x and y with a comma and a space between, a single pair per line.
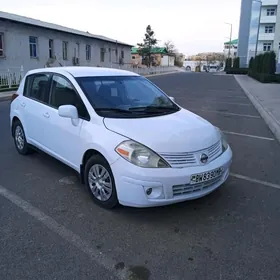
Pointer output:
192, 25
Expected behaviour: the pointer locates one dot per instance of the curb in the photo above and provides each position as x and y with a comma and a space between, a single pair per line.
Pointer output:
160, 74
5, 97
265, 114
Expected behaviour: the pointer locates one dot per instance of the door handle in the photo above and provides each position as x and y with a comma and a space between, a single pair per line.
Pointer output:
46, 115
22, 104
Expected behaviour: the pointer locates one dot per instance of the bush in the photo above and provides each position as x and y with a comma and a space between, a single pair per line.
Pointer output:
228, 64
266, 78
236, 63
238, 71
277, 78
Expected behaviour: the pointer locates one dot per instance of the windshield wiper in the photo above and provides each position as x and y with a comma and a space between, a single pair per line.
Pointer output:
153, 108
118, 110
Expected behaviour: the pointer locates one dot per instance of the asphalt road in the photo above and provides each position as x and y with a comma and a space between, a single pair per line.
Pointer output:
50, 229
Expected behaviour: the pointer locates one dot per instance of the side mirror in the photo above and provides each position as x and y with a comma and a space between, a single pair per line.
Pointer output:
69, 111
172, 98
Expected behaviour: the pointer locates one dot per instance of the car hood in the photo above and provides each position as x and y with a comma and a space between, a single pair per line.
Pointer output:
182, 131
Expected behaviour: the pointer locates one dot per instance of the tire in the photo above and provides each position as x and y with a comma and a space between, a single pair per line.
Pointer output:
20, 139
102, 190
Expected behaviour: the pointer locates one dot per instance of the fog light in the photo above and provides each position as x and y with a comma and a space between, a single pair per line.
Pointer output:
154, 192
149, 191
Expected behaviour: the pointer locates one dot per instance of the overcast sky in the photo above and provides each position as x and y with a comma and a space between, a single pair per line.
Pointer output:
193, 25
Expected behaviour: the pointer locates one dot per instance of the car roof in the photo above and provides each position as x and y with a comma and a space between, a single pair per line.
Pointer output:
81, 71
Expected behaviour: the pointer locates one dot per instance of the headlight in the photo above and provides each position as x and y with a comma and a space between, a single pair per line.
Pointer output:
223, 139
140, 155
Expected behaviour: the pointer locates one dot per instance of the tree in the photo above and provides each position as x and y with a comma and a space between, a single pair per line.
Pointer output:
170, 48
179, 60
149, 42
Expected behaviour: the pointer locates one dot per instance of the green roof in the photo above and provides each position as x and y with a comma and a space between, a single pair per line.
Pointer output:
233, 42
134, 50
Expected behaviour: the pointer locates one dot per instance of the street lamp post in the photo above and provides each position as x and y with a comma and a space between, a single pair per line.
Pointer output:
230, 38
257, 42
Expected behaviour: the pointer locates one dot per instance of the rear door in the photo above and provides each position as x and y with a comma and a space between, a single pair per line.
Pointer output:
34, 103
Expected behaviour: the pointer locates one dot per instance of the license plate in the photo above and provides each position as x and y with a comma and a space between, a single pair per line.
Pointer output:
206, 176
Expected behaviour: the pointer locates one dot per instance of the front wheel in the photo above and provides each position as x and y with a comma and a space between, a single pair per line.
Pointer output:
100, 182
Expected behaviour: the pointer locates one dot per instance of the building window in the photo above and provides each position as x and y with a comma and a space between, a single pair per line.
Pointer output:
269, 29
1, 44
267, 47
33, 46
271, 12
110, 55
88, 52
77, 50
64, 50
102, 55
122, 54
51, 52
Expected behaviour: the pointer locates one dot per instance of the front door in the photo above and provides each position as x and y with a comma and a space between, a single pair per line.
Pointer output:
64, 137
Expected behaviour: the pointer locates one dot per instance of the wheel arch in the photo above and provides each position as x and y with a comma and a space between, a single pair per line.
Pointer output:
86, 156
14, 120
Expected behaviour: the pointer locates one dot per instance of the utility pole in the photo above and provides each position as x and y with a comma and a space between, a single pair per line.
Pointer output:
230, 38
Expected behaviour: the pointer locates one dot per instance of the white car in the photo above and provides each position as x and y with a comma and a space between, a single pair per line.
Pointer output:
129, 141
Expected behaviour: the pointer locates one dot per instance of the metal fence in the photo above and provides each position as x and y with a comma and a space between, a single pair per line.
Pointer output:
11, 77
143, 70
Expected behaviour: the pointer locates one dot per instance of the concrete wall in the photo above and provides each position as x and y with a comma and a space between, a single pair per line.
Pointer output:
165, 59
244, 26
16, 48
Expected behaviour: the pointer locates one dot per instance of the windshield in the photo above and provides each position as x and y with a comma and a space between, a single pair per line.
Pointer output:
125, 97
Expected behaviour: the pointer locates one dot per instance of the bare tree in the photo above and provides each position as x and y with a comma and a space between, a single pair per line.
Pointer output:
170, 48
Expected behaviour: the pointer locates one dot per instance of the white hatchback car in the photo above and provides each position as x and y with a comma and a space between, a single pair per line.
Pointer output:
129, 141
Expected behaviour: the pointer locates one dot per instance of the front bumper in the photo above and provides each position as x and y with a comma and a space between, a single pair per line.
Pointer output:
132, 182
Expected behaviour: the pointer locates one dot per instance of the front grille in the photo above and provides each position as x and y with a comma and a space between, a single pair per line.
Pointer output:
188, 189
187, 159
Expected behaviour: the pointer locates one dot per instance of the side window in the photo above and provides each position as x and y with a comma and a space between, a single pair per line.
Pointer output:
63, 93
37, 87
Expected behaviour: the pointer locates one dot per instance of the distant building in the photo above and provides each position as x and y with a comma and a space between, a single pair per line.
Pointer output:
160, 57
259, 29
33, 44
230, 48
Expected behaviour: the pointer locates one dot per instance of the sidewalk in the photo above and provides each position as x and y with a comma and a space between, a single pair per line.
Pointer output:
266, 99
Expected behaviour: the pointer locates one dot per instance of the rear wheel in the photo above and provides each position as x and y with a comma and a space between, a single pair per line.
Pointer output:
20, 139
100, 182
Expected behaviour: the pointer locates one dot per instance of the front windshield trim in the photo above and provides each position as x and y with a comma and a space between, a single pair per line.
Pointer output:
124, 81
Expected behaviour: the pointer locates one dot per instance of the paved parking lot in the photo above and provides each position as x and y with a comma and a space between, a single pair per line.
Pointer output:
50, 229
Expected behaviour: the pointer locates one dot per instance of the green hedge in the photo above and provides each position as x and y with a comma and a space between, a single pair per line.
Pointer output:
266, 78
238, 71
263, 67
236, 63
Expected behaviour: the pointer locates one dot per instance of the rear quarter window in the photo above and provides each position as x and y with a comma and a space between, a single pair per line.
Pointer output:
37, 87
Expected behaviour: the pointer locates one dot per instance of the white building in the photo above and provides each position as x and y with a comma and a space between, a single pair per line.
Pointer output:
35, 44
259, 29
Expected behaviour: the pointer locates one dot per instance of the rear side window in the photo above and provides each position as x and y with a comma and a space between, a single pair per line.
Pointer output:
37, 87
